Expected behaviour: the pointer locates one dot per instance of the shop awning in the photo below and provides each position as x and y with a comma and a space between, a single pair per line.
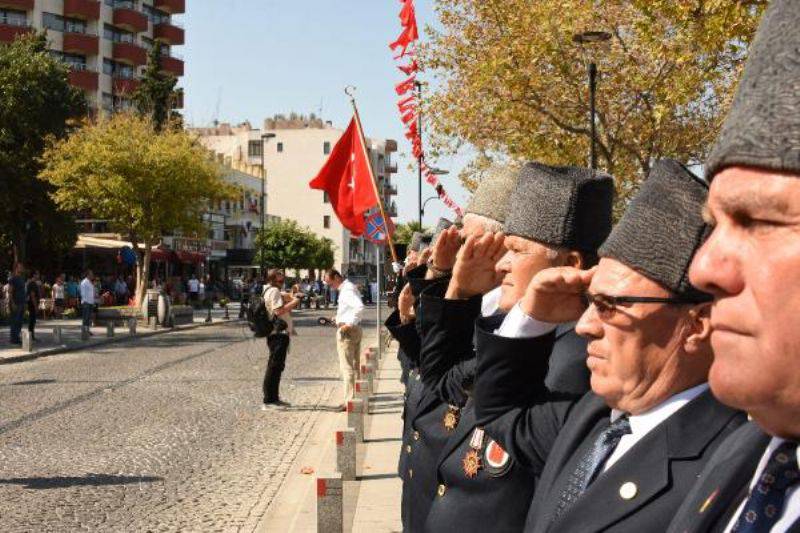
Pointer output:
87, 242
191, 257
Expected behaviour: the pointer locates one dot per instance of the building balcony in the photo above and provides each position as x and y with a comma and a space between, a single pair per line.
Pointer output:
391, 210
391, 168
391, 145
85, 79
125, 86
130, 53
81, 43
173, 7
172, 65
390, 190
9, 32
22, 5
82, 9
169, 33
130, 19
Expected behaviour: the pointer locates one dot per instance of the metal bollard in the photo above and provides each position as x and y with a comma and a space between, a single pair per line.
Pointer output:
329, 504
346, 453
58, 335
27, 341
355, 418
110, 329
132, 326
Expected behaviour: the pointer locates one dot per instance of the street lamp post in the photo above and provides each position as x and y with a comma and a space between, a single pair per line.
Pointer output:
435, 172
264, 138
586, 40
426, 203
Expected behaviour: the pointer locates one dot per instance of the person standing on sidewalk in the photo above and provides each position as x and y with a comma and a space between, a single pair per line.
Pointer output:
278, 341
16, 302
87, 300
348, 336
32, 296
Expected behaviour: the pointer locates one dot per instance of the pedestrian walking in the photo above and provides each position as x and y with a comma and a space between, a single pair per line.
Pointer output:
278, 341
121, 291
59, 296
87, 291
16, 301
32, 297
348, 335
194, 289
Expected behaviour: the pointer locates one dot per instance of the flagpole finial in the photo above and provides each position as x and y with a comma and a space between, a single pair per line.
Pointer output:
350, 91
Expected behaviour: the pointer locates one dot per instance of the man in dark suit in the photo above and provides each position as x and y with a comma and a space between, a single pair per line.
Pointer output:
618, 459
751, 264
557, 216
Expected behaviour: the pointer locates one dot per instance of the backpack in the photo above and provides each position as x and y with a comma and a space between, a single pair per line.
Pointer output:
263, 322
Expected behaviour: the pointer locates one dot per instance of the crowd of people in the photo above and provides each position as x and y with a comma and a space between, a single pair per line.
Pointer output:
565, 374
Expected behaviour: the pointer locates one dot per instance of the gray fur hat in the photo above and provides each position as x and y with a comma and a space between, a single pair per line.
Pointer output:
662, 228
493, 195
562, 207
416, 242
762, 128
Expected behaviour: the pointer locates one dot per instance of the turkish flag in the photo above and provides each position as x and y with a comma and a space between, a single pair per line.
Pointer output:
347, 178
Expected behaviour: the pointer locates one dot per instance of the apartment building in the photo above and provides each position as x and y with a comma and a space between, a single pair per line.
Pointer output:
105, 43
291, 158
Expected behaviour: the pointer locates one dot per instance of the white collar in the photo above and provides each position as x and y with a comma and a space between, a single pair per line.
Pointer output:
644, 422
490, 302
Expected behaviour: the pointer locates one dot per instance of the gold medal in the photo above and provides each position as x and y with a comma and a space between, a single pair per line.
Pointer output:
472, 460
472, 463
451, 418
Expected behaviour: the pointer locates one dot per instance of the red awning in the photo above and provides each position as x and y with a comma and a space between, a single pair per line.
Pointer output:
159, 256
191, 257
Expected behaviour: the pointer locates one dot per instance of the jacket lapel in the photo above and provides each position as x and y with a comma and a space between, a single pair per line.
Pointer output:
463, 431
643, 473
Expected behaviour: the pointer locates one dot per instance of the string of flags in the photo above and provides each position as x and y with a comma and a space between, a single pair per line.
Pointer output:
405, 48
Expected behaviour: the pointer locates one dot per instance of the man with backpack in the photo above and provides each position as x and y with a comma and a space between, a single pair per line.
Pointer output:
278, 338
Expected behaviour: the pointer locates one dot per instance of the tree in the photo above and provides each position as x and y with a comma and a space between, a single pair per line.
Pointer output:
155, 97
514, 83
404, 232
36, 103
322, 257
143, 182
284, 244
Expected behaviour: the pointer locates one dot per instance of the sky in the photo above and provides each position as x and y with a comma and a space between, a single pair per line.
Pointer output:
251, 59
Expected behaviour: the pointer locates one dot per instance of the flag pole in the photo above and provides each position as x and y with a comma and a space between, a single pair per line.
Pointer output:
349, 92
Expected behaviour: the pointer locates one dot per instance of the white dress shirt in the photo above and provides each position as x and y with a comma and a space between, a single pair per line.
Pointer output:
791, 505
349, 305
490, 303
87, 292
644, 423
519, 325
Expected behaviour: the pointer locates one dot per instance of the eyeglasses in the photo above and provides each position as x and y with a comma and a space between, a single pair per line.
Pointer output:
606, 305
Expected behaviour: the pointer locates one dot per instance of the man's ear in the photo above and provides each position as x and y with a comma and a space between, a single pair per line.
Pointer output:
574, 259
699, 325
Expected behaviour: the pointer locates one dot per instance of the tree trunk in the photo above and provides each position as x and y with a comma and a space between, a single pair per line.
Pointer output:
143, 273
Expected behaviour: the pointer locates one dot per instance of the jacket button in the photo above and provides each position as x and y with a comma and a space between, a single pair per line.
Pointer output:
416, 435
408, 448
410, 473
441, 490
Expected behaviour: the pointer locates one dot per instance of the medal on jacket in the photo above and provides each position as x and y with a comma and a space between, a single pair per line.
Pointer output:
472, 460
451, 417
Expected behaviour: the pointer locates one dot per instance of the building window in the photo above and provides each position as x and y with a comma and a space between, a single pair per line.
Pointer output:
156, 16
118, 70
325, 198
54, 22
110, 33
255, 149
10, 17
108, 102
280, 147
326, 148
326, 222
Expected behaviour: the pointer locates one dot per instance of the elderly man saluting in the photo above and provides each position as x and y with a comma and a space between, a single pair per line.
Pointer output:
621, 457
348, 336
751, 264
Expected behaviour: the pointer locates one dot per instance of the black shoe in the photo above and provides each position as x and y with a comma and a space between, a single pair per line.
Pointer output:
281, 403
18, 343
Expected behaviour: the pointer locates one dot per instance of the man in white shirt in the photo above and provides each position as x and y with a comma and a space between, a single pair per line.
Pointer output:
348, 335
87, 300
751, 265
194, 288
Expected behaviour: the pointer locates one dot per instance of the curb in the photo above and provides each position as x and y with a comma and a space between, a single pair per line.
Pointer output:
102, 342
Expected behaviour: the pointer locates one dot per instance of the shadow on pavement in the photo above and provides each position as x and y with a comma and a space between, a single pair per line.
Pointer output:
91, 480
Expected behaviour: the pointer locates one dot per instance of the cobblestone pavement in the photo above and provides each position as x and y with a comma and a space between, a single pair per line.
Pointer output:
160, 434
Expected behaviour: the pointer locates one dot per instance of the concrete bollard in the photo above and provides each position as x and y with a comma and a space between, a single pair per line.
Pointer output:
110, 329
27, 341
84, 333
346, 453
132, 326
58, 335
362, 393
368, 376
355, 418
330, 504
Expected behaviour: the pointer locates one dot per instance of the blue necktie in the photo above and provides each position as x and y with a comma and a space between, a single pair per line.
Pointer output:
765, 503
590, 464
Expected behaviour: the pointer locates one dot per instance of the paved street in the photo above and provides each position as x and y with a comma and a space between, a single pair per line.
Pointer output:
159, 434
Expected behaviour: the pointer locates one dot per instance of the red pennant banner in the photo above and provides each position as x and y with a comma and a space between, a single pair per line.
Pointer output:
408, 106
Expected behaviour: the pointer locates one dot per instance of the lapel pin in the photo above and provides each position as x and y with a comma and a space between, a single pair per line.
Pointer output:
628, 490
709, 500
